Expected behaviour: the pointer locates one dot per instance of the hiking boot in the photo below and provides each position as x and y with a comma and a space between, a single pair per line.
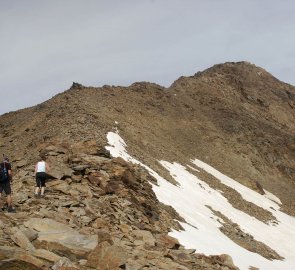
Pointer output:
10, 209
37, 195
42, 196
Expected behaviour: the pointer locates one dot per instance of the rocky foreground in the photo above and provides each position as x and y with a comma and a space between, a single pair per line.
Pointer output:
98, 213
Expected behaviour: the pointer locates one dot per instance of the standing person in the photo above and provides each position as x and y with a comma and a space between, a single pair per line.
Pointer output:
41, 169
5, 182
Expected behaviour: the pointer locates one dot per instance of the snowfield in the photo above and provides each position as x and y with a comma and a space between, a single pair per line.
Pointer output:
201, 230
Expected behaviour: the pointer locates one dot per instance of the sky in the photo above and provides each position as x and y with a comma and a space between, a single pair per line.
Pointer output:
47, 45
191, 198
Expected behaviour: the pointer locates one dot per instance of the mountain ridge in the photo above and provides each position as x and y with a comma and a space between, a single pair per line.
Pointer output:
217, 107
235, 116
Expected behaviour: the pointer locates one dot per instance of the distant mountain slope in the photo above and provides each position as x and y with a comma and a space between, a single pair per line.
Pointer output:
234, 115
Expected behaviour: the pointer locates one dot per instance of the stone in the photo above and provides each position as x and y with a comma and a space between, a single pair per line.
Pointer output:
30, 234
15, 264
85, 219
62, 263
103, 235
63, 187
21, 239
125, 228
227, 260
21, 163
21, 197
80, 168
169, 242
67, 268
54, 148
94, 179
46, 225
94, 160
106, 256
30, 259
9, 252
100, 223
87, 147
45, 254
145, 236
76, 178
51, 231
54, 183
58, 167
83, 189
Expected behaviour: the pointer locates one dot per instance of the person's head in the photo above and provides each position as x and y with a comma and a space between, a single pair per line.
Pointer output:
43, 157
6, 159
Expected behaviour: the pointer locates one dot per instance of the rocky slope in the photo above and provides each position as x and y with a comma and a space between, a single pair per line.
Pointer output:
99, 213
235, 116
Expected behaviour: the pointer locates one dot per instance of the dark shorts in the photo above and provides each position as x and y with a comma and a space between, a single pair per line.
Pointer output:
6, 187
40, 179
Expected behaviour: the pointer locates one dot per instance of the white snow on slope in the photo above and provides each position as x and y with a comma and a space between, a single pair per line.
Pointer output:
202, 232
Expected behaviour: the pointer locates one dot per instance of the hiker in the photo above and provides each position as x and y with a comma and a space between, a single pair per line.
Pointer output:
5, 182
41, 170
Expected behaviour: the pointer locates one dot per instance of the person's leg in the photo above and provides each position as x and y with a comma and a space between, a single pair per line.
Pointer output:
38, 184
1, 189
7, 190
37, 190
43, 184
9, 200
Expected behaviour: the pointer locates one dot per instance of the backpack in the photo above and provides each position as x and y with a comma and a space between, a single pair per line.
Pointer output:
3, 173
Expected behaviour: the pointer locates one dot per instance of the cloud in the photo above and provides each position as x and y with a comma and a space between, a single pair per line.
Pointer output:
46, 45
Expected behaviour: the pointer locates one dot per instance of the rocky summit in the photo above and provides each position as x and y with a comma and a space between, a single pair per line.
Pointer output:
102, 211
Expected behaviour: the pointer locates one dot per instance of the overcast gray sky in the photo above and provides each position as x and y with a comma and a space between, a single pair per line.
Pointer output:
46, 45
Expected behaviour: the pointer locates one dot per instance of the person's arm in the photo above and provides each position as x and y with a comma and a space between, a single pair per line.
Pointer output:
9, 172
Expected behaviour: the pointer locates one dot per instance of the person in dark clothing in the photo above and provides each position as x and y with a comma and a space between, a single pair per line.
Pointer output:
5, 182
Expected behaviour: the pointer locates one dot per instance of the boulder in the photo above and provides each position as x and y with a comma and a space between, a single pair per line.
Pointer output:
145, 236
51, 231
95, 161
17, 264
80, 167
84, 189
106, 257
58, 167
53, 149
21, 197
45, 254
76, 178
21, 163
168, 241
88, 147
18, 254
21, 239
29, 233
63, 187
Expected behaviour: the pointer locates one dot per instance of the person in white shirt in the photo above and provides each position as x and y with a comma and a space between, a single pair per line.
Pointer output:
41, 170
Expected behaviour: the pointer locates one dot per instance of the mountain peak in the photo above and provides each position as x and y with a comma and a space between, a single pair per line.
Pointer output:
76, 85
236, 117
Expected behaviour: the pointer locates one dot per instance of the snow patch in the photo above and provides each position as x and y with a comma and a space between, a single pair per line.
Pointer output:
201, 230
